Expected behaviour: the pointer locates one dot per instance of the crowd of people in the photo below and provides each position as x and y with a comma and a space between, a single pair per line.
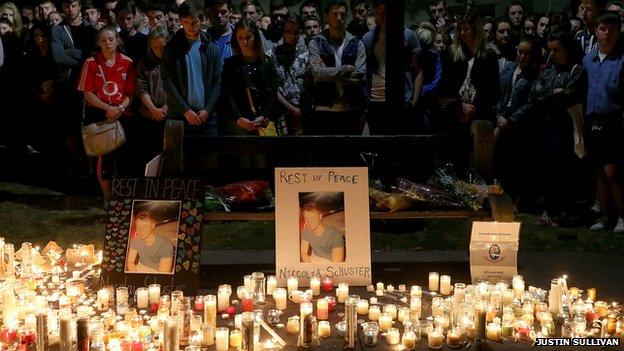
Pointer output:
551, 83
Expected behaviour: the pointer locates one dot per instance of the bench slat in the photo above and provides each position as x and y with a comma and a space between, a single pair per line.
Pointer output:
270, 216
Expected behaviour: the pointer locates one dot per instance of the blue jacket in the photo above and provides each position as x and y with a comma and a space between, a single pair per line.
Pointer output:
411, 48
513, 101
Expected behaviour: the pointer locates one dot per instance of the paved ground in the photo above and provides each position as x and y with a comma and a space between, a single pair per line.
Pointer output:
584, 269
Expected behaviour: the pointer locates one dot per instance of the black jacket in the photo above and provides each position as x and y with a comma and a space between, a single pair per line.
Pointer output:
174, 72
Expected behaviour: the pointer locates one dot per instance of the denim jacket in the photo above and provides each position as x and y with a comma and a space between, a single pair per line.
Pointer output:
512, 104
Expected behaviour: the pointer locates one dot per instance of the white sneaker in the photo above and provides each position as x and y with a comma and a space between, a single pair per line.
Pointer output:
600, 225
619, 227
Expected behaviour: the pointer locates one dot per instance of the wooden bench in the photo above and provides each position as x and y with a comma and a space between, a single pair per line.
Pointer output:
481, 140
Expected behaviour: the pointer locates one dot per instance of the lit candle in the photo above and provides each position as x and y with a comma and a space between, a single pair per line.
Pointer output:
342, 292
402, 288
518, 286
322, 309
223, 297
292, 326
122, 295
236, 339
409, 340
315, 285
416, 291
390, 288
455, 338
271, 284
445, 285
362, 307
279, 295
391, 310
508, 297
435, 339
324, 329
415, 307
385, 321
392, 336
374, 312
373, 300
327, 284
434, 281
154, 293
247, 301
494, 332
248, 282
441, 322
379, 292
210, 311
380, 286
171, 341
208, 335
103, 299
591, 294
222, 339
293, 284
142, 297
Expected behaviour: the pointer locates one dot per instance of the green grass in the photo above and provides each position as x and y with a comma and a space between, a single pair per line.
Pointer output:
39, 215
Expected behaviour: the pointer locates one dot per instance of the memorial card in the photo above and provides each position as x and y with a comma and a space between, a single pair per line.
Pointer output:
494, 251
322, 225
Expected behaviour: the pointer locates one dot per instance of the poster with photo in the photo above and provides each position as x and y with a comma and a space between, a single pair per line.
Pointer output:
322, 225
153, 235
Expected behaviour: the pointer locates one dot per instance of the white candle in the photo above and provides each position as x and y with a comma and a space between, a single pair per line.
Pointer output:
210, 311
385, 321
223, 297
416, 291
315, 285
154, 293
248, 282
518, 286
373, 300
324, 330
402, 288
279, 295
236, 339
171, 340
415, 307
142, 296
409, 341
122, 295
222, 339
392, 336
342, 291
293, 284
379, 292
390, 288
103, 299
208, 333
362, 307
322, 310
434, 281
508, 296
271, 284
435, 339
445, 285
380, 286
374, 313
391, 310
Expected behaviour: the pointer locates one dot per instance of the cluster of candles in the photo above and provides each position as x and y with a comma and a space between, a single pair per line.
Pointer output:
59, 306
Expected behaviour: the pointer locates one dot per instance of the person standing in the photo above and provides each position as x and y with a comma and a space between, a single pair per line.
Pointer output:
605, 105
221, 30
338, 64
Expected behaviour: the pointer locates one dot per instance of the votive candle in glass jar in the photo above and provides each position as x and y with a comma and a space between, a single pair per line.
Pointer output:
315, 285
292, 284
416, 291
392, 336
142, 298
236, 339
392, 310
280, 297
385, 321
435, 339
455, 338
362, 307
445, 285
247, 301
327, 284
271, 284
409, 340
154, 293
434, 281
222, 339
324, 329
223, 297
322, 309
374, 312
342, 292
494, 332
371, 333
292, 326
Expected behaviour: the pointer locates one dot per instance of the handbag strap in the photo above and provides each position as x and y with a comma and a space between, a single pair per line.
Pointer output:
105, 87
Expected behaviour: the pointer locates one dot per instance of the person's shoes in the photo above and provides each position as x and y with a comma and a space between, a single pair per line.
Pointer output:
619, 227
600, 225
596, 207
30, 150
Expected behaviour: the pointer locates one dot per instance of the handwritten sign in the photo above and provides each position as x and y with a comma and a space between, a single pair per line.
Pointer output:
153, 235
322, 225
494, 251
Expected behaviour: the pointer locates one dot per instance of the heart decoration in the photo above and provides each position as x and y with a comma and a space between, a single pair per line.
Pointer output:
181, 236
193, 212
186, 265
190, 231
195, 264
195, 248
186, 205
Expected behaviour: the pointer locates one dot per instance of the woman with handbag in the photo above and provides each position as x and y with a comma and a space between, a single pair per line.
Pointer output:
108, 82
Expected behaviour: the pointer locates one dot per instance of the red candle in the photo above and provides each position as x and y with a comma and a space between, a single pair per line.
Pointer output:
28, 337
199, 303
327, 284
524, 331
8, 335
591, 315
154, 307
331, 303
247, 304
137, 346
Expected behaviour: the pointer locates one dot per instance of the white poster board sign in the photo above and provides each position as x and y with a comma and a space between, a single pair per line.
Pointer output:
494, 251
322, 225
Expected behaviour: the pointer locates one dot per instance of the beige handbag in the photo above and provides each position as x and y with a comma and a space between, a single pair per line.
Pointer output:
103, 137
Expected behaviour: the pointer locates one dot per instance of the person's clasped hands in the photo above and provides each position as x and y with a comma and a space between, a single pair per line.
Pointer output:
252, 125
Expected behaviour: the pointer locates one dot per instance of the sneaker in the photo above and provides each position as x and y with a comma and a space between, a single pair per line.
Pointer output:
619, 227
600, 225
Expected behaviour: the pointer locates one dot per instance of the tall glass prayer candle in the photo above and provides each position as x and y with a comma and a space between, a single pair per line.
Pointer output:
176, 296
280, 297
247, 301
292, 284
27, 259
591, 292
103, 300
415, 307
342, 292
331, 303
223, 297
351, 321
480, 318
142, 297
208, 335
315, 285
271, 284
445, 285
122, 294
416, 291
65, 332
322, 310
327, 284
154, 293
259, 287
434, 281
43, 341
248, 282
210, 311
222, 339
9, 260
518, 286
305, 309
184, 318
82, 334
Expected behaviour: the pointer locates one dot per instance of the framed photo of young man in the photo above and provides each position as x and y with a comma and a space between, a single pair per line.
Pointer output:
322, 224
153, 234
